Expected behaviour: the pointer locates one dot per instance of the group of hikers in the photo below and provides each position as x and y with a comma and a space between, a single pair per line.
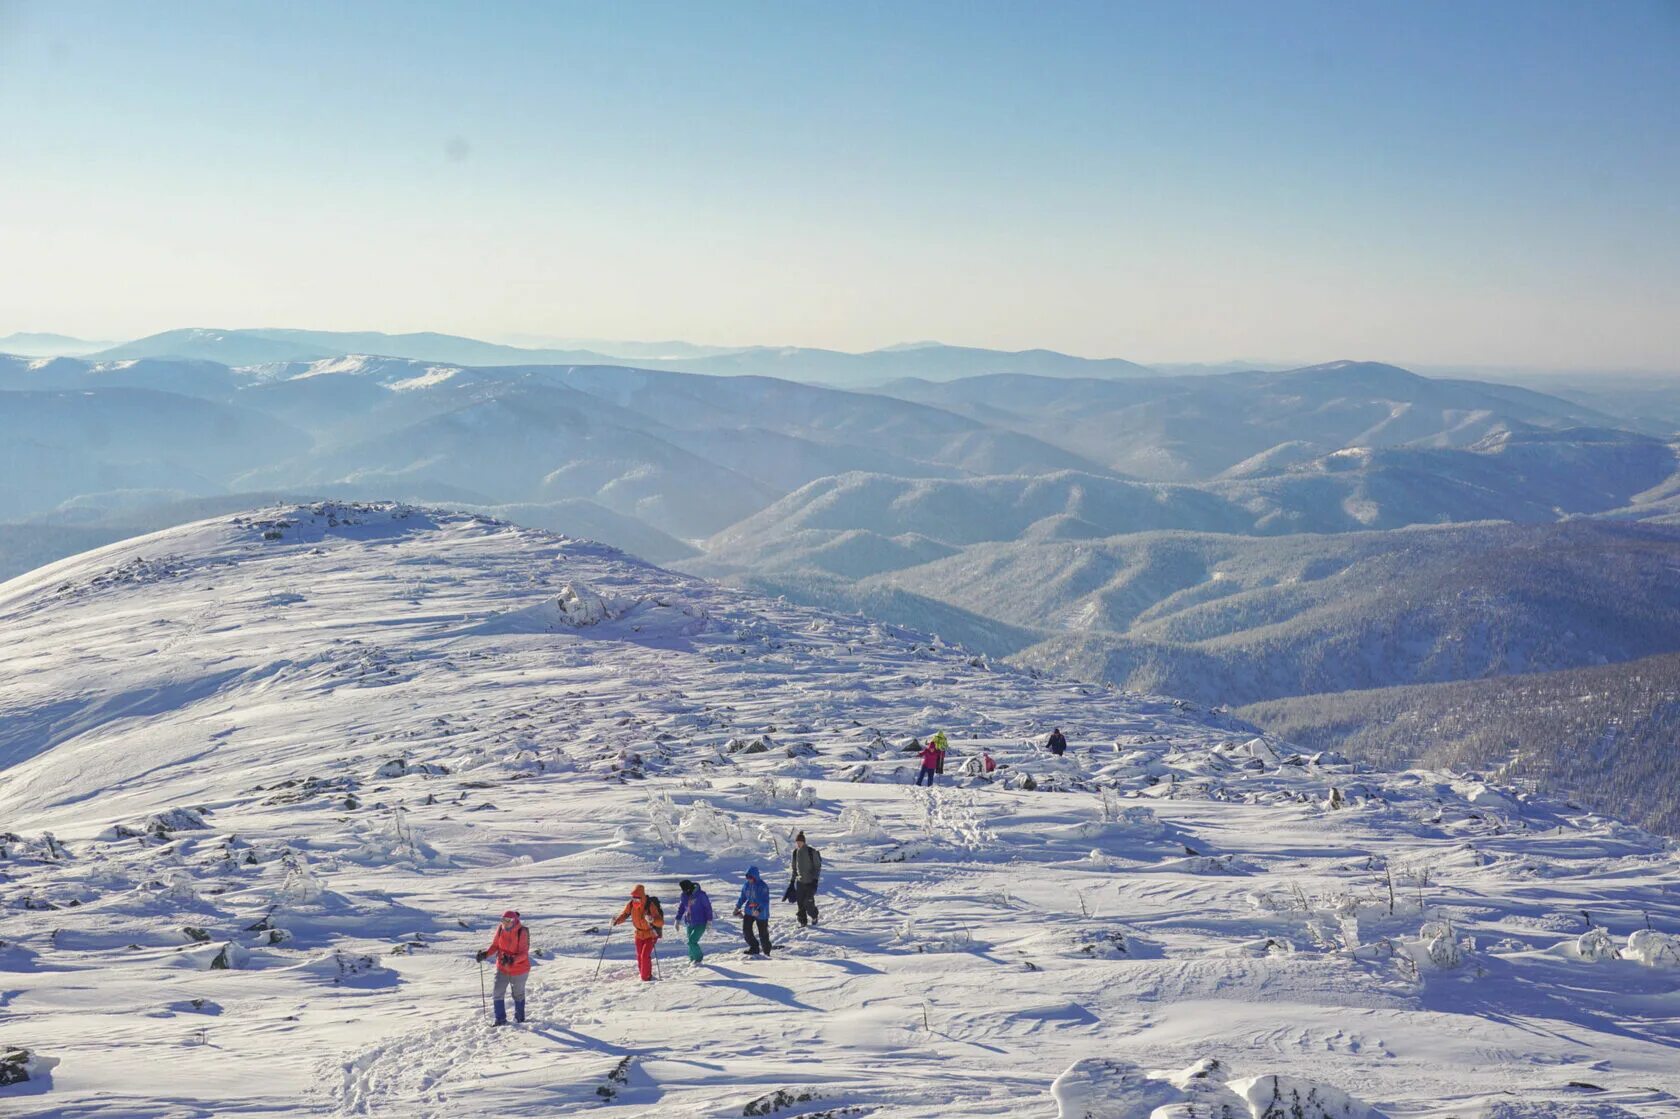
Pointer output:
510, 947
933, 756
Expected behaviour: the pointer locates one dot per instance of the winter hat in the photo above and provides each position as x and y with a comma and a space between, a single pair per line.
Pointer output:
639, 892
752, 872
511, 913
800, 838
686, 886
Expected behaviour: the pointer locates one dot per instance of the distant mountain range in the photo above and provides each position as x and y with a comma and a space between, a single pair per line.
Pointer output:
930, 361
47, 345
1235, 538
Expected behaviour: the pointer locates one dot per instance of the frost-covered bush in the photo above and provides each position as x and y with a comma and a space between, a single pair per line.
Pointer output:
394, 842
860, 823
1595, 945
1441, 948
1288, 1097
580, 605
300, 885
1653, 949
918, 936
181, 888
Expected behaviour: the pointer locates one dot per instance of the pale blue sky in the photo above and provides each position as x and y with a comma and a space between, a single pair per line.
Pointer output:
1493, 182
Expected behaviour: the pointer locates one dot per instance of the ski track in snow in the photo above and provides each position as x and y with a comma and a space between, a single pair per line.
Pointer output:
391, 728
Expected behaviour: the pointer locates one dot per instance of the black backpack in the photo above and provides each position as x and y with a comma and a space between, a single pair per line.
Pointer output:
655, 915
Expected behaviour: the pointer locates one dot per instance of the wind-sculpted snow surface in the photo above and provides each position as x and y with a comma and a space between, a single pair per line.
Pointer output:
268, 780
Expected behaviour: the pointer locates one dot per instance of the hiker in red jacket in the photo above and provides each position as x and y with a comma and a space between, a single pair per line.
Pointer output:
512, 948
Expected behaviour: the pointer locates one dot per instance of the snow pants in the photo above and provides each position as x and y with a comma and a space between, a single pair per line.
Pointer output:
644, 956
503, 982
754, 944
695, 932
805, 893
925, 775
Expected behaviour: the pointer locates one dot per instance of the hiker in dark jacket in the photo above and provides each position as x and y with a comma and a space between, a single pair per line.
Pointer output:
1058, 742
753, 907
694, 912
807, 868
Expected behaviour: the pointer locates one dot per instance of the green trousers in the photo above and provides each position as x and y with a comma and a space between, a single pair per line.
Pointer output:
694, 934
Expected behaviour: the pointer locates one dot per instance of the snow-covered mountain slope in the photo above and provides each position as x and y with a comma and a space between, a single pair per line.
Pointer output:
1603, 735
1531, 476
268, 780
1221, 618
1184, 428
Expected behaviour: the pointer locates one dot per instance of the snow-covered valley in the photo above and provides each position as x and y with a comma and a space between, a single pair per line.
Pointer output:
266, 782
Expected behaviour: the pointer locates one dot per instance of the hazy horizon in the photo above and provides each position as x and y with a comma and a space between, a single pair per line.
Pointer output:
1428, 185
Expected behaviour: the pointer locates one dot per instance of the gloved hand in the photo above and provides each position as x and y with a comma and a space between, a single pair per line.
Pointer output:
482, 955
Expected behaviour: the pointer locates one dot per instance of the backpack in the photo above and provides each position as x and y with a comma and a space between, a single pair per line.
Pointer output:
655, 915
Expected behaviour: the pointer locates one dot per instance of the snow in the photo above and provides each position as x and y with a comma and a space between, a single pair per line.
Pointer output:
329, 745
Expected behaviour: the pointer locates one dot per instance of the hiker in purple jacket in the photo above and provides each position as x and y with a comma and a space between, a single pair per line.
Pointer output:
695, 912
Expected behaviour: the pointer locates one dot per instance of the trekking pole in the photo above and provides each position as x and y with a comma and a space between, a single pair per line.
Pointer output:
657, 971
603, 955
483, 999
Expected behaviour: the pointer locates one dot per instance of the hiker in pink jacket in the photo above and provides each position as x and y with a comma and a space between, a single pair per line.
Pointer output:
931, 755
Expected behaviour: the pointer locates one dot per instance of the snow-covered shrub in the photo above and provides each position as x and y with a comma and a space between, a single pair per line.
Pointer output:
916, 934
664, 817
1653, 949
704, 828
580, 605
1441, 947
394, 842
300, 885
1288, 1097
181, 888
860, 823
1595, 945
1106, 1088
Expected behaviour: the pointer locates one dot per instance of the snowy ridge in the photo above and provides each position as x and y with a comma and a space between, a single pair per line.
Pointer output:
266, 781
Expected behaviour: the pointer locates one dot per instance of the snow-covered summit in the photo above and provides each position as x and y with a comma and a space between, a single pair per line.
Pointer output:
266, 781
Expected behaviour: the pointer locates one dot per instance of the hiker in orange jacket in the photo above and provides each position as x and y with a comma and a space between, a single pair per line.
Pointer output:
511, 946
648, 919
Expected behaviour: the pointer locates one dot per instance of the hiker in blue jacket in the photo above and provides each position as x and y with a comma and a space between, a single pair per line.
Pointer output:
695, 912
753, 907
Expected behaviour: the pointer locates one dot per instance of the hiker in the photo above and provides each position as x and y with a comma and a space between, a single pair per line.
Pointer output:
1058, 742
941, 744
930, 764
694, 912
512, 948
807, 868
753, 907
645, 915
